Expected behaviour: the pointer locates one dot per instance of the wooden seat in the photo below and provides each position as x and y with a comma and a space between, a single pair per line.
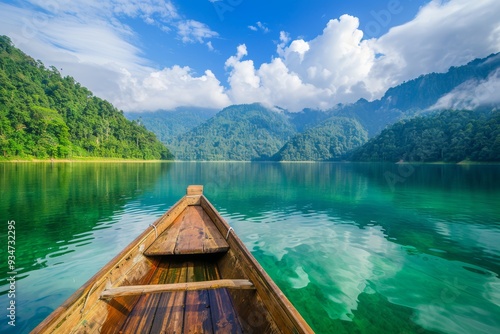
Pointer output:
193, 232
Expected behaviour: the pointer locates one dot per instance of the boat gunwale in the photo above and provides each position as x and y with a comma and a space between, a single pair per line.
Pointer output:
269, 287
71, 304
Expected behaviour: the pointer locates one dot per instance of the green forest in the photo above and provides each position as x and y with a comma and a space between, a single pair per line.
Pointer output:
44, 115
447, 136
330, 140
239, 132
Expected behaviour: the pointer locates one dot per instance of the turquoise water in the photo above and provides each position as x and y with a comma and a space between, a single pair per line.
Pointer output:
357, 248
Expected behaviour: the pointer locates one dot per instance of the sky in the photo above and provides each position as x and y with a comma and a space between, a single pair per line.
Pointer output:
148, 55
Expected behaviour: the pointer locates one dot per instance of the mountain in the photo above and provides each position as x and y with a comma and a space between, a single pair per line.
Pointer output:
167, 124
449, 136
416, 96
44, 115
328, 141
238, 132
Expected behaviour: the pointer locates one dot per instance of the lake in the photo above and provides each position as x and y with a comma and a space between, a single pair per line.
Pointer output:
357, 248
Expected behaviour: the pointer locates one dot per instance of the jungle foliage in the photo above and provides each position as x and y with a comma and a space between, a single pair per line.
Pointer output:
447, 136
44, 115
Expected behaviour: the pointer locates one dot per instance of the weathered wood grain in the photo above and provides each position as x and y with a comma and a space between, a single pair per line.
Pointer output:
193, 232
136, 290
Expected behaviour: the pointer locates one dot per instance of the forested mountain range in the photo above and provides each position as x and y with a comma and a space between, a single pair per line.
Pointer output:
44, 115
253, 132
240, 132
330, 140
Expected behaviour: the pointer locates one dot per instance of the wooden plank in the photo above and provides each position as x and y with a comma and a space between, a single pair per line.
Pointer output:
170, 313
224, 318
141, 318
117, 310
165, 243
214, 241
135, 290
197, 310
191, 234
194, 190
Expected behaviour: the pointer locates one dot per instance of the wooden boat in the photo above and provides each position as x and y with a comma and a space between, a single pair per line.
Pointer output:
187, 273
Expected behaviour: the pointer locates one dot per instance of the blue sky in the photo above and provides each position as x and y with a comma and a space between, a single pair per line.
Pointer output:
162, 54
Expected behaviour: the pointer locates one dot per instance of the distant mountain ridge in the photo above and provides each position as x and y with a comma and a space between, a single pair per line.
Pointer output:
416, 96
254, 132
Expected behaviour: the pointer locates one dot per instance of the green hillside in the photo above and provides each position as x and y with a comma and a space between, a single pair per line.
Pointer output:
239, 132
449, 136
328, 141
43, 115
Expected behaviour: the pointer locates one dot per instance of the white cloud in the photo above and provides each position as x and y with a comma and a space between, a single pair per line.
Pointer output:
271, 84
443, 34
259, 26
170, 88
338, 66
263, 27
473, 94
163, 9
316, 73
194, 31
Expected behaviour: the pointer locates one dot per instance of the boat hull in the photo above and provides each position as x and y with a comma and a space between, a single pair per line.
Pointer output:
220, 288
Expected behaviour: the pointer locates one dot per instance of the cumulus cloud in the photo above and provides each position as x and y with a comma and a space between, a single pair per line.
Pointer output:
339, 66
317, 73
170, 88
271, 84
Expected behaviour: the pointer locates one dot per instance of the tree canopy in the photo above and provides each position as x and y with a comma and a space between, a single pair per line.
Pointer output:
448, 136
330, 140
45, 115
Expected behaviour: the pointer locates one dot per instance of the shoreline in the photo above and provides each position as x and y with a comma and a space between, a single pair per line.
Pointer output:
122, 160
100, 160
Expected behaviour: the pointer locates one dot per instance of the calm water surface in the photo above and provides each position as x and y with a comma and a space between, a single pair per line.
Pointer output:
357, 248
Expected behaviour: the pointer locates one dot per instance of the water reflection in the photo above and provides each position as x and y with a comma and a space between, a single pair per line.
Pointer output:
352, 251
61, 213
336, 261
